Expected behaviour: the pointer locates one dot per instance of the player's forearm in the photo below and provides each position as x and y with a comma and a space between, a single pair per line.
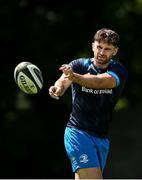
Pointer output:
94, 81
87, 80
60, 85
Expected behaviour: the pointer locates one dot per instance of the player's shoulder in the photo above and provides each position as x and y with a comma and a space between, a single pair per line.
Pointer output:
117, 64
81, 61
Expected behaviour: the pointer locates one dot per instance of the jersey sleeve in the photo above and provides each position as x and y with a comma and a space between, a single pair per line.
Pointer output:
119, 72
116, 77
77, 65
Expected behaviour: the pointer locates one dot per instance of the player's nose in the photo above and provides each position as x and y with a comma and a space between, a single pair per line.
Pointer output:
102, 51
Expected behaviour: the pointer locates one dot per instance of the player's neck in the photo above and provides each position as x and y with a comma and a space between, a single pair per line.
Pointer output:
102, 66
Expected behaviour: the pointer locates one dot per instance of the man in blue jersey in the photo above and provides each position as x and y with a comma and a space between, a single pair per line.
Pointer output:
96, 84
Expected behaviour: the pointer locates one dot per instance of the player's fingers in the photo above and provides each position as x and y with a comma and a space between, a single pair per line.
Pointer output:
52, 92
53, 95
52, 89
67, 76
65, 67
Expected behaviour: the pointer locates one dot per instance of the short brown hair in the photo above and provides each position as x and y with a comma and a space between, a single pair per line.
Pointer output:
108, 36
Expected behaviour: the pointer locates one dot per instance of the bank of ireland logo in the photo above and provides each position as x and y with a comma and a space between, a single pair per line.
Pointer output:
83, 158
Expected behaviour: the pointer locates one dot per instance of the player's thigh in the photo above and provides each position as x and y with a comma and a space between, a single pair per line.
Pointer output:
80, 149
88, 173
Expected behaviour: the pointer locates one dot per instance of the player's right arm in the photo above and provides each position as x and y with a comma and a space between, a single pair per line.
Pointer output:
60, 86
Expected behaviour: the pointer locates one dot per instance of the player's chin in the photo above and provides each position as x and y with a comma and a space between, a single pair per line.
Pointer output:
102, 60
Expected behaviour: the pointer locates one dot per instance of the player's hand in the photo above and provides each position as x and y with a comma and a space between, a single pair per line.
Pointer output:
67, 70
55, 92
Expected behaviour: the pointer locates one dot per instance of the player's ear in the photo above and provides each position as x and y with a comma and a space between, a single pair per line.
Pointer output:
92, 46
115, 51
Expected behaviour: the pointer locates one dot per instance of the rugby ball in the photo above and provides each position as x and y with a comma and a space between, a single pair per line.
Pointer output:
28, 77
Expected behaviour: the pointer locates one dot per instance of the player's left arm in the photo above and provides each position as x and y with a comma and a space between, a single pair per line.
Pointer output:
104, 80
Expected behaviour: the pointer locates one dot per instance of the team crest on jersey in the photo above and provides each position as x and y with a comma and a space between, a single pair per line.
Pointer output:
83, 158
73, 160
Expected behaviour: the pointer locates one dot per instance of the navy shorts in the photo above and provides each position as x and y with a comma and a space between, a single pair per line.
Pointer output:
85, 150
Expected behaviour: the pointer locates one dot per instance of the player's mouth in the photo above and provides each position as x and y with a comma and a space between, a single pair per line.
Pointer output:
101, 58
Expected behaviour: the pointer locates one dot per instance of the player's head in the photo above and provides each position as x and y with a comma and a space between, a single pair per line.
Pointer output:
105, 46
107, 36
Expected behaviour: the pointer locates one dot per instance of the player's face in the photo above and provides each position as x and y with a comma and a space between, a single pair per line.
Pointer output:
103, 52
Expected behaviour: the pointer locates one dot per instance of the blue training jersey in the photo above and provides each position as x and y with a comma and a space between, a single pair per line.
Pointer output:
92, 108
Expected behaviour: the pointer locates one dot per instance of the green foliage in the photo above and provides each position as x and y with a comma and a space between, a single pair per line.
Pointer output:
122, 104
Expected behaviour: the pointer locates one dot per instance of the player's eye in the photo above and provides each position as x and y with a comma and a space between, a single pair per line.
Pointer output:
99, 47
